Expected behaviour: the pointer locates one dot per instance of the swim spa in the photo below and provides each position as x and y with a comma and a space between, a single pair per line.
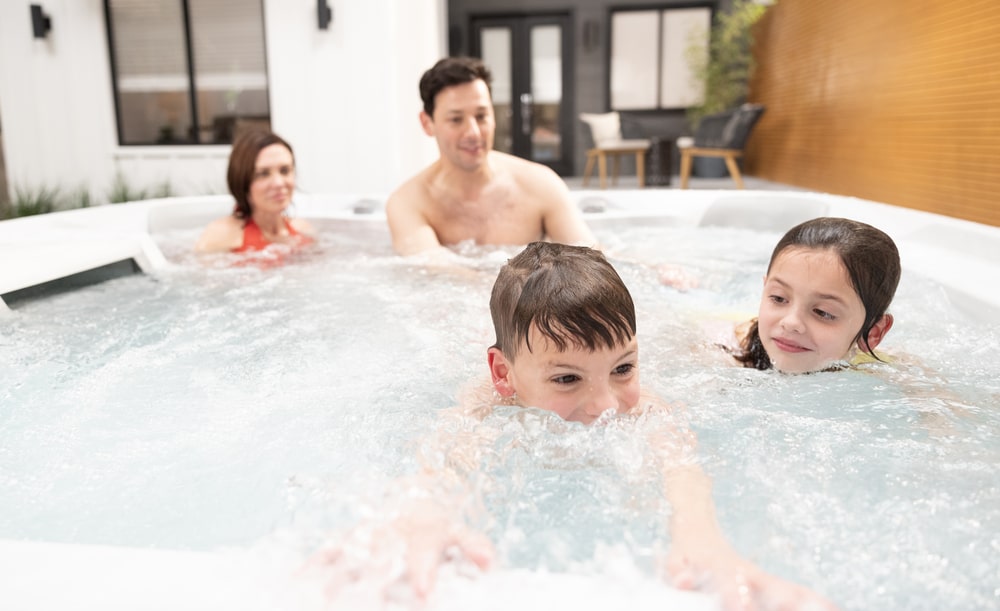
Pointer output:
186, 437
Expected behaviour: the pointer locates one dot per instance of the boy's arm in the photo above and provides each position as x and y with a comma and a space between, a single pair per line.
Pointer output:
424, 524
701, 558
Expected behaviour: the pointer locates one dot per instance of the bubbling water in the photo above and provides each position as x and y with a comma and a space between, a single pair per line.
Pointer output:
217, 405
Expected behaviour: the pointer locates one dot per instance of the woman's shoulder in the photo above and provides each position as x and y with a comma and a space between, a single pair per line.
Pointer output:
222, 234
302, 226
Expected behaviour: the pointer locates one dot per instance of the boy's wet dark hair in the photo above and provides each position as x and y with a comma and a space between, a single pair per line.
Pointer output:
448, 72
872, 262
243, 162
571, 294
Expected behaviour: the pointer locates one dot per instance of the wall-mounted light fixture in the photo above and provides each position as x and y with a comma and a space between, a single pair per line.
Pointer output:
40, 22
324, 13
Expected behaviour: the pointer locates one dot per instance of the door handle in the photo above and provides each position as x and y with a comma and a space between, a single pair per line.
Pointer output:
527, 107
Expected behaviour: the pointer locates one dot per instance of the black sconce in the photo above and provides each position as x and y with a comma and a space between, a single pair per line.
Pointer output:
40, 22
324, 13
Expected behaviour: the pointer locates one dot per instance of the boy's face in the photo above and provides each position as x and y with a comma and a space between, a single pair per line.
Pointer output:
463, 124
575, 383
809, 312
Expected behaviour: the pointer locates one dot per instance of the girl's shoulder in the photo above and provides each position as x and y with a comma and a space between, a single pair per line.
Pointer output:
863, 358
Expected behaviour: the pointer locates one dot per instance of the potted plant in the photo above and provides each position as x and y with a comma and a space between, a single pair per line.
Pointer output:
724, 71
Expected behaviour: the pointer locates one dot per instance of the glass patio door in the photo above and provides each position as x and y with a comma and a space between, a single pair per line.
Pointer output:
529, 59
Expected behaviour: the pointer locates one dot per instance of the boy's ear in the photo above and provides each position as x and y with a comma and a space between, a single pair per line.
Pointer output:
500, 372
427, 123
877, 332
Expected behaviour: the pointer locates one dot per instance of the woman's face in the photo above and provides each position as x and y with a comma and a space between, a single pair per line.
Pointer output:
273, 180
809, 313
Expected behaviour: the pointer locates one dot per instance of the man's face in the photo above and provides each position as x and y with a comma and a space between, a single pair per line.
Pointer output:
463, 124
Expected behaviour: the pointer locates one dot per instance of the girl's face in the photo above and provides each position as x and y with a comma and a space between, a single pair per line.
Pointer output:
575, 383
809, 313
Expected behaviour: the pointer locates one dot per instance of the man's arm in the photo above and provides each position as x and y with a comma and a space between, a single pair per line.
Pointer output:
561, 219
411, 233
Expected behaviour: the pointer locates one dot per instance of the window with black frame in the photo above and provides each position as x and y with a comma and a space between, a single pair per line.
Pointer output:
651, 57
187, 71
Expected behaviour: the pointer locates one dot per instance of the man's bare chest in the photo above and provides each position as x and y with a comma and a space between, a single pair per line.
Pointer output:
488, 221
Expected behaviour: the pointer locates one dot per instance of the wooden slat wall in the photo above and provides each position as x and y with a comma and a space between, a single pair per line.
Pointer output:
896, 101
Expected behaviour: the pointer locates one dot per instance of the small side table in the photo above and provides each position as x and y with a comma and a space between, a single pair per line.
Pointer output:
659, 162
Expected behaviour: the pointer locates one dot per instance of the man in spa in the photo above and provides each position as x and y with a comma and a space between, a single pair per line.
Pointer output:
472, 192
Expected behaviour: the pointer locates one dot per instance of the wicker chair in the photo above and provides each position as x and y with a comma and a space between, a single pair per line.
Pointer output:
720, 135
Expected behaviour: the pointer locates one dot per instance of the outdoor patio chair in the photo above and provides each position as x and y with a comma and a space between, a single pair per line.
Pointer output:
720, 135
606, 133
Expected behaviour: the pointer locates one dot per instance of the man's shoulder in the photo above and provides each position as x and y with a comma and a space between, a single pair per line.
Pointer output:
413, 191
521, 164
528, 174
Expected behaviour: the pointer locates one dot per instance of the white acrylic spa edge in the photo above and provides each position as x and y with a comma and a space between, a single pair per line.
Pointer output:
962, 256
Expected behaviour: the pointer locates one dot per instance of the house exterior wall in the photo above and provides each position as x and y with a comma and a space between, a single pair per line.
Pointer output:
345, 98
591, 70
55, 96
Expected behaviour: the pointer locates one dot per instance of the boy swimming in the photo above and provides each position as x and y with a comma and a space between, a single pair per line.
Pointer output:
566, 343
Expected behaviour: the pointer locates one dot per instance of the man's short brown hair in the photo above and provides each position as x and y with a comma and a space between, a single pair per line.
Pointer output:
448, 72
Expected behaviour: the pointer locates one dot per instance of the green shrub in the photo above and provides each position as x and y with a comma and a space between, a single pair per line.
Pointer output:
122, 191
80, 198
726, 71
163, 189
29, 201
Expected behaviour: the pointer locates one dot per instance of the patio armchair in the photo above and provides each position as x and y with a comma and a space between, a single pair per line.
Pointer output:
606, 134
720, 135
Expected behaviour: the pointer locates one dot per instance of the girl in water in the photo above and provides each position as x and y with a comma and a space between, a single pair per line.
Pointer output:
826, 291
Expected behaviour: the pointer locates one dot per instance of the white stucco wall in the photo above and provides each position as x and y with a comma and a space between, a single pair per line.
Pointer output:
346, 98
55, 96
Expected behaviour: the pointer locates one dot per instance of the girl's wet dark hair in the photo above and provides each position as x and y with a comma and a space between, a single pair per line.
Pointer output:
448, 72
571, 294
872, 262
242, 163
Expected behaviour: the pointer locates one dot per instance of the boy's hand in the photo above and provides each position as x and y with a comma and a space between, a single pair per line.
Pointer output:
431, 540
400, 559
740, 585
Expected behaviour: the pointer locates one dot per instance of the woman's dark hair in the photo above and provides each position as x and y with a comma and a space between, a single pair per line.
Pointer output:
571, 294
242, 161
872, 262
448, 72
